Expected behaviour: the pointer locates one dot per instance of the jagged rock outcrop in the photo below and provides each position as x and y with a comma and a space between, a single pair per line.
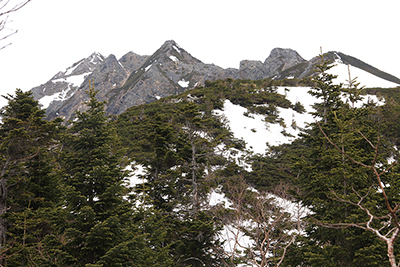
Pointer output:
131, 80
66, 83
135, 79
251, 69
282, 59
279, 60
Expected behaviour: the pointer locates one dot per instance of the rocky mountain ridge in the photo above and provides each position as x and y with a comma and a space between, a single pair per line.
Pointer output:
135, 79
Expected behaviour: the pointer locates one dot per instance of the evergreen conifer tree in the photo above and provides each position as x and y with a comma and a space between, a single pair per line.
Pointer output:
95, 198
332, 183
30, 184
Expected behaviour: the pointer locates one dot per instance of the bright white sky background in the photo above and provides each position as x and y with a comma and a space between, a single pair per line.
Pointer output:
54, 34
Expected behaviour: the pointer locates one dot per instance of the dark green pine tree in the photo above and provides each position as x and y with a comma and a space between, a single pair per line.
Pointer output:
196, 151
174, 182
148, 242
31, 186
331, 184
200, 134
93, 163
326, 90
162, 182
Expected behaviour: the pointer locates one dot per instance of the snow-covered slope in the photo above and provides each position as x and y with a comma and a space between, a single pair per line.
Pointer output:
364, 78
258, 134
71, 82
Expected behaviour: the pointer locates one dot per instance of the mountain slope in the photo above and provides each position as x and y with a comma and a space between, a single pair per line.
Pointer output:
65, 84
368, 68
368, 75
169, 71
135, 79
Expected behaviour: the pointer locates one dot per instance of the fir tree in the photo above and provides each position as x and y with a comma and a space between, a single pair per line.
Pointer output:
326, 90
334, 177
93, 167
31, 187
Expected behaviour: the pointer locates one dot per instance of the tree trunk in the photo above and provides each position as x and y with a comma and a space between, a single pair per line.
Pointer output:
3, 227
391, 256
3, 208
194, 182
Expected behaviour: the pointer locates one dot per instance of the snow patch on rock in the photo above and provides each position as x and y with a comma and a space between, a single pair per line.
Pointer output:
174, 58
183, 83
60, 96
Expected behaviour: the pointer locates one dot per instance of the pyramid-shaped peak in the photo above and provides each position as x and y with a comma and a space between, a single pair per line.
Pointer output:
95, 56
111, 63
82, 66
170, 50
171, 44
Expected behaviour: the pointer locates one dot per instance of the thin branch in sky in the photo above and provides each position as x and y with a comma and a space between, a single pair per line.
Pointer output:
4, 15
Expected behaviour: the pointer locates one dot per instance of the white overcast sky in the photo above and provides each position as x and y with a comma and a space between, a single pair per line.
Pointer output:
54, 34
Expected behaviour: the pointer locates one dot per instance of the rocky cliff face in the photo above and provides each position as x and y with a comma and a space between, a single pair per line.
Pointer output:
282, 59
131, 80
135, 79
65, 84
279, 60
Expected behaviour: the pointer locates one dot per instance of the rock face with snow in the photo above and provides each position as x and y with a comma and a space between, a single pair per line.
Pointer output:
169, 71
135, 79
65, 84
65, 92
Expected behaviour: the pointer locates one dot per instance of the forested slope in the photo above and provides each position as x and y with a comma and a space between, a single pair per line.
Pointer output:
328, 198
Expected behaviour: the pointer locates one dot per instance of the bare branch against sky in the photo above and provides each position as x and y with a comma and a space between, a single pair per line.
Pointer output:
6, 8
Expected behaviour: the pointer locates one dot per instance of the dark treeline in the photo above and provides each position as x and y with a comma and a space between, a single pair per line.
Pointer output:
66, 200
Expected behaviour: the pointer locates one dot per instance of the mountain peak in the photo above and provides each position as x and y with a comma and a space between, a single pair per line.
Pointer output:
281, 59
170, 46
84, 65
95, 57
284, 55
170, 43
171, 51
284, 52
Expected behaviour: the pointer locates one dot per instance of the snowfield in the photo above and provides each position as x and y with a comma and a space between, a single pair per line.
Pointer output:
364, 78
258, 134
183, 83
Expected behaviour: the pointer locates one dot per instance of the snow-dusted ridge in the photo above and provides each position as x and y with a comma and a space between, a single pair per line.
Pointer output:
73, 82
363, 77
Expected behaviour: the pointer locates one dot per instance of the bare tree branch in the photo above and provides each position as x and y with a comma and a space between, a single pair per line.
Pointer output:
392, 233
5, 11
259, 225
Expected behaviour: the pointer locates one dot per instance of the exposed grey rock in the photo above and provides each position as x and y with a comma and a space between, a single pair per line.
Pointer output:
110, 74
281, 59
254, 70
66, 83
132, 61
135, 79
